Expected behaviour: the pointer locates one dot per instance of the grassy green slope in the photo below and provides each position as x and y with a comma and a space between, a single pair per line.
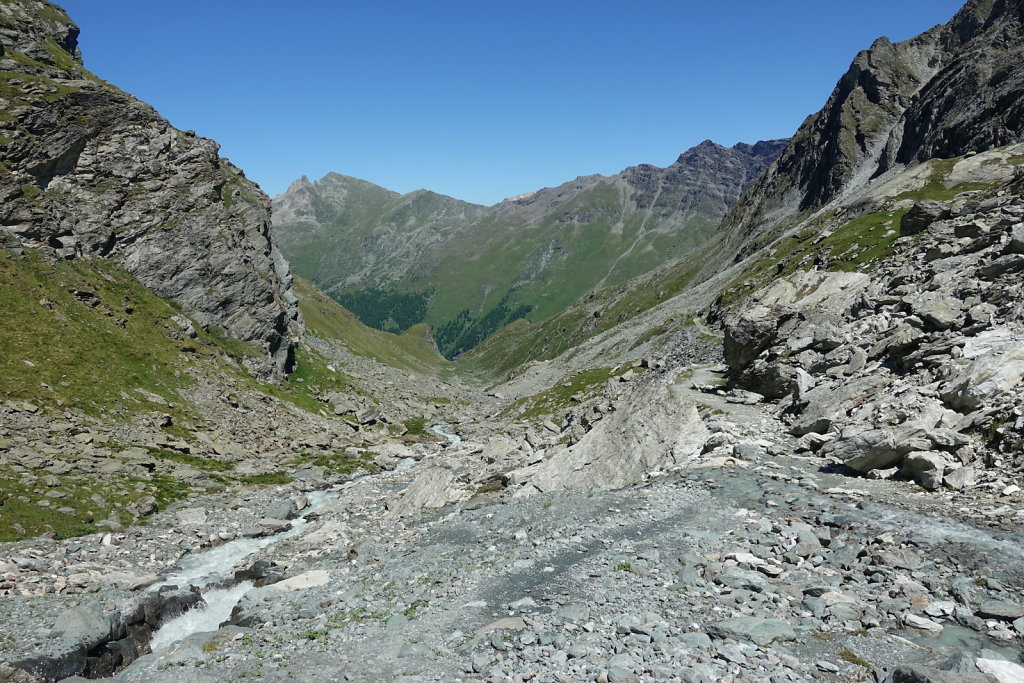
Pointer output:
88, 334
597, 312
411, 350
552, 264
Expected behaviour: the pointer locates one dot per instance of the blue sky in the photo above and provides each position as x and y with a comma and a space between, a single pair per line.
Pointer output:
481, 100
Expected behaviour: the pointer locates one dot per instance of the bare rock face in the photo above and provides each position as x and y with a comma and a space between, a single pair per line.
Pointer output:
89, 171
657, 429
954, 89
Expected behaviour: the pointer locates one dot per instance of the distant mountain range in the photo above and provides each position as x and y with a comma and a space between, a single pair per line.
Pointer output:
467, 270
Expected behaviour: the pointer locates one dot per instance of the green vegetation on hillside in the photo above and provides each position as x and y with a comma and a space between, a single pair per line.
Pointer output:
325, 318
523, 341
387, 311
88, 334
855, 245
83, 503
935, 188
465, 332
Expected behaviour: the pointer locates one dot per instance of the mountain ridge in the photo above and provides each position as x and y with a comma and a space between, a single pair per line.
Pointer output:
897, 105
471, 269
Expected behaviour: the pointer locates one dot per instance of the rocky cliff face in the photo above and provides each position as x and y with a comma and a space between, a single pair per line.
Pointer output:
469, 269
89, 171
954, 89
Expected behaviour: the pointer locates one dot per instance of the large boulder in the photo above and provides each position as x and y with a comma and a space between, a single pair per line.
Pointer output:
655, 428
755, 630
1016, 245
747, 335
926, 468
990, 376
433, 488
824, 406
922, 215
76, 632
774, 380
864, 448
938, 310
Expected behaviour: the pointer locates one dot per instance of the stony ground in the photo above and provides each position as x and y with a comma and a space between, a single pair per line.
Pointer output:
758, 565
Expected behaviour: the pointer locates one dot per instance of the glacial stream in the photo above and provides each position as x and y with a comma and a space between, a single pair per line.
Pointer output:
444, 430
203, 569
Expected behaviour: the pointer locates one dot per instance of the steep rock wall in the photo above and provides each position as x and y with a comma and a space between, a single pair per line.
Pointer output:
90, 171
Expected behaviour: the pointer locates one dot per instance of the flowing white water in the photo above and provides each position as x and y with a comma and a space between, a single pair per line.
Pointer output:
208, 617
202, 569
442, 430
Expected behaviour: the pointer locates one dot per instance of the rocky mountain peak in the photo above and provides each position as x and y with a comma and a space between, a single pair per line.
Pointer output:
954, 89
91, 172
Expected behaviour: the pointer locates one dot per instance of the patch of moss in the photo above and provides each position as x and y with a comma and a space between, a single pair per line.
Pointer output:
51, 90
314, 634
852, 658
343, 463
417, 427
490, 487
935, 188
207, 464
89, 498
862, 241
853, 246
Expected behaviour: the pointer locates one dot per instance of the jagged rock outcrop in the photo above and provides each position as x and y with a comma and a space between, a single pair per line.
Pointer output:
653, 428
89, 171
917, 369
954, 89
397, 260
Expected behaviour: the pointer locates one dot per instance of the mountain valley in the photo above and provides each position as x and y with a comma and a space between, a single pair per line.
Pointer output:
467, 270
757, 416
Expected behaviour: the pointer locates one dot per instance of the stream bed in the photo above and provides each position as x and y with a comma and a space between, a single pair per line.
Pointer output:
207, 569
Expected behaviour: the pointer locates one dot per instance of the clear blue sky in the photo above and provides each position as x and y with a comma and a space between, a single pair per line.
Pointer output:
481, 99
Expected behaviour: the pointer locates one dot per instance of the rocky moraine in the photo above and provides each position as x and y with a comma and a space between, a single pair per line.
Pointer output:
798, 457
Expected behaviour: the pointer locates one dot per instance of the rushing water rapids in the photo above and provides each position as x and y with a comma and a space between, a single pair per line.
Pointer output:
445, 431
204, 569
208, 568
